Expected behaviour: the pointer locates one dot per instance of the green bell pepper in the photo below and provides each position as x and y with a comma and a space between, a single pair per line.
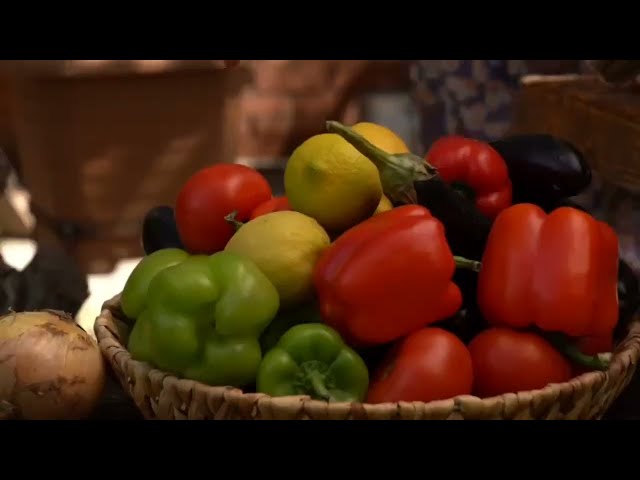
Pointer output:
307, 313
134, 296
201, 318
312, 359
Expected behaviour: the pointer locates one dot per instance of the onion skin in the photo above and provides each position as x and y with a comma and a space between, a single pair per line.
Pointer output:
50, 368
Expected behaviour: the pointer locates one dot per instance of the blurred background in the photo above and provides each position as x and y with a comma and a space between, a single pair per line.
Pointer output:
90, 146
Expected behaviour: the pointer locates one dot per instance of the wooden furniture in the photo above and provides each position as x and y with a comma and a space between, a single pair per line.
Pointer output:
601, 119
101, 142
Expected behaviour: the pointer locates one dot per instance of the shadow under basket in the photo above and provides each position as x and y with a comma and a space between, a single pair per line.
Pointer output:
161, 396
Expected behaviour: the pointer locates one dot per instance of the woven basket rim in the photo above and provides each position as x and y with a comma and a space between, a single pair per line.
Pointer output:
627, 353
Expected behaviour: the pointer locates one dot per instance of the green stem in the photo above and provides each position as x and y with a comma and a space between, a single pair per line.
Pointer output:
574, 354
467, 264
231, 219
317, 383
397, 172
364, 146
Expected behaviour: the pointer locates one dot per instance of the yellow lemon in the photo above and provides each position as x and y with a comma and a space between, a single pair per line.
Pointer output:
384, 206
382, 137
329, 180
286, 246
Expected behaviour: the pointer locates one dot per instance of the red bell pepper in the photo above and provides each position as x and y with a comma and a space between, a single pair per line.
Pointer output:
387, 277
474, 168
558, 272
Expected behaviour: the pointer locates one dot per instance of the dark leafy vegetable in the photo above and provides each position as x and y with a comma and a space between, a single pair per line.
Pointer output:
159, 230
543, 169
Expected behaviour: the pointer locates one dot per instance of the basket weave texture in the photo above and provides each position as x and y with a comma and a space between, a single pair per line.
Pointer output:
161, 396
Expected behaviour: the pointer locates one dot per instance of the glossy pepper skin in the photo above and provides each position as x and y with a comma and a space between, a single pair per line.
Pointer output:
476, 169
387, 277
558, 272
200, 317
313, 360
628, 283
134, 294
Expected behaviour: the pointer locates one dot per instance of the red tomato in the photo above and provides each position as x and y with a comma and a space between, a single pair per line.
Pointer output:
276, 204
211, 194
429, 364
510, 361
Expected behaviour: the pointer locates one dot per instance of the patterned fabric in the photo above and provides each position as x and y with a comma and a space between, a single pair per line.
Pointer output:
467, 97
472, 97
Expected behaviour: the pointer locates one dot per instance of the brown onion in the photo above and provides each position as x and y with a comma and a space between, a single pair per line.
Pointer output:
50, 368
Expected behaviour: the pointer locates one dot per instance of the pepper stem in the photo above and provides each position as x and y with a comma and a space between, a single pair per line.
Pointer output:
317, 384
467, 264
397, 171
231, 219
574, 354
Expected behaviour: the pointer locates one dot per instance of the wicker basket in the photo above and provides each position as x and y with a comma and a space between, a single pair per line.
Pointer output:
164, 397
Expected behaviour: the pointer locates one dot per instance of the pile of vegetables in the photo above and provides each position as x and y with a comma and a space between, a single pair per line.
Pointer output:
480, 276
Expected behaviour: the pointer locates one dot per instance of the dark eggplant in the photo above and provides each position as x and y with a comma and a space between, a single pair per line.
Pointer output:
566, 202
543, 169
465, 227
408, 179
159, 230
